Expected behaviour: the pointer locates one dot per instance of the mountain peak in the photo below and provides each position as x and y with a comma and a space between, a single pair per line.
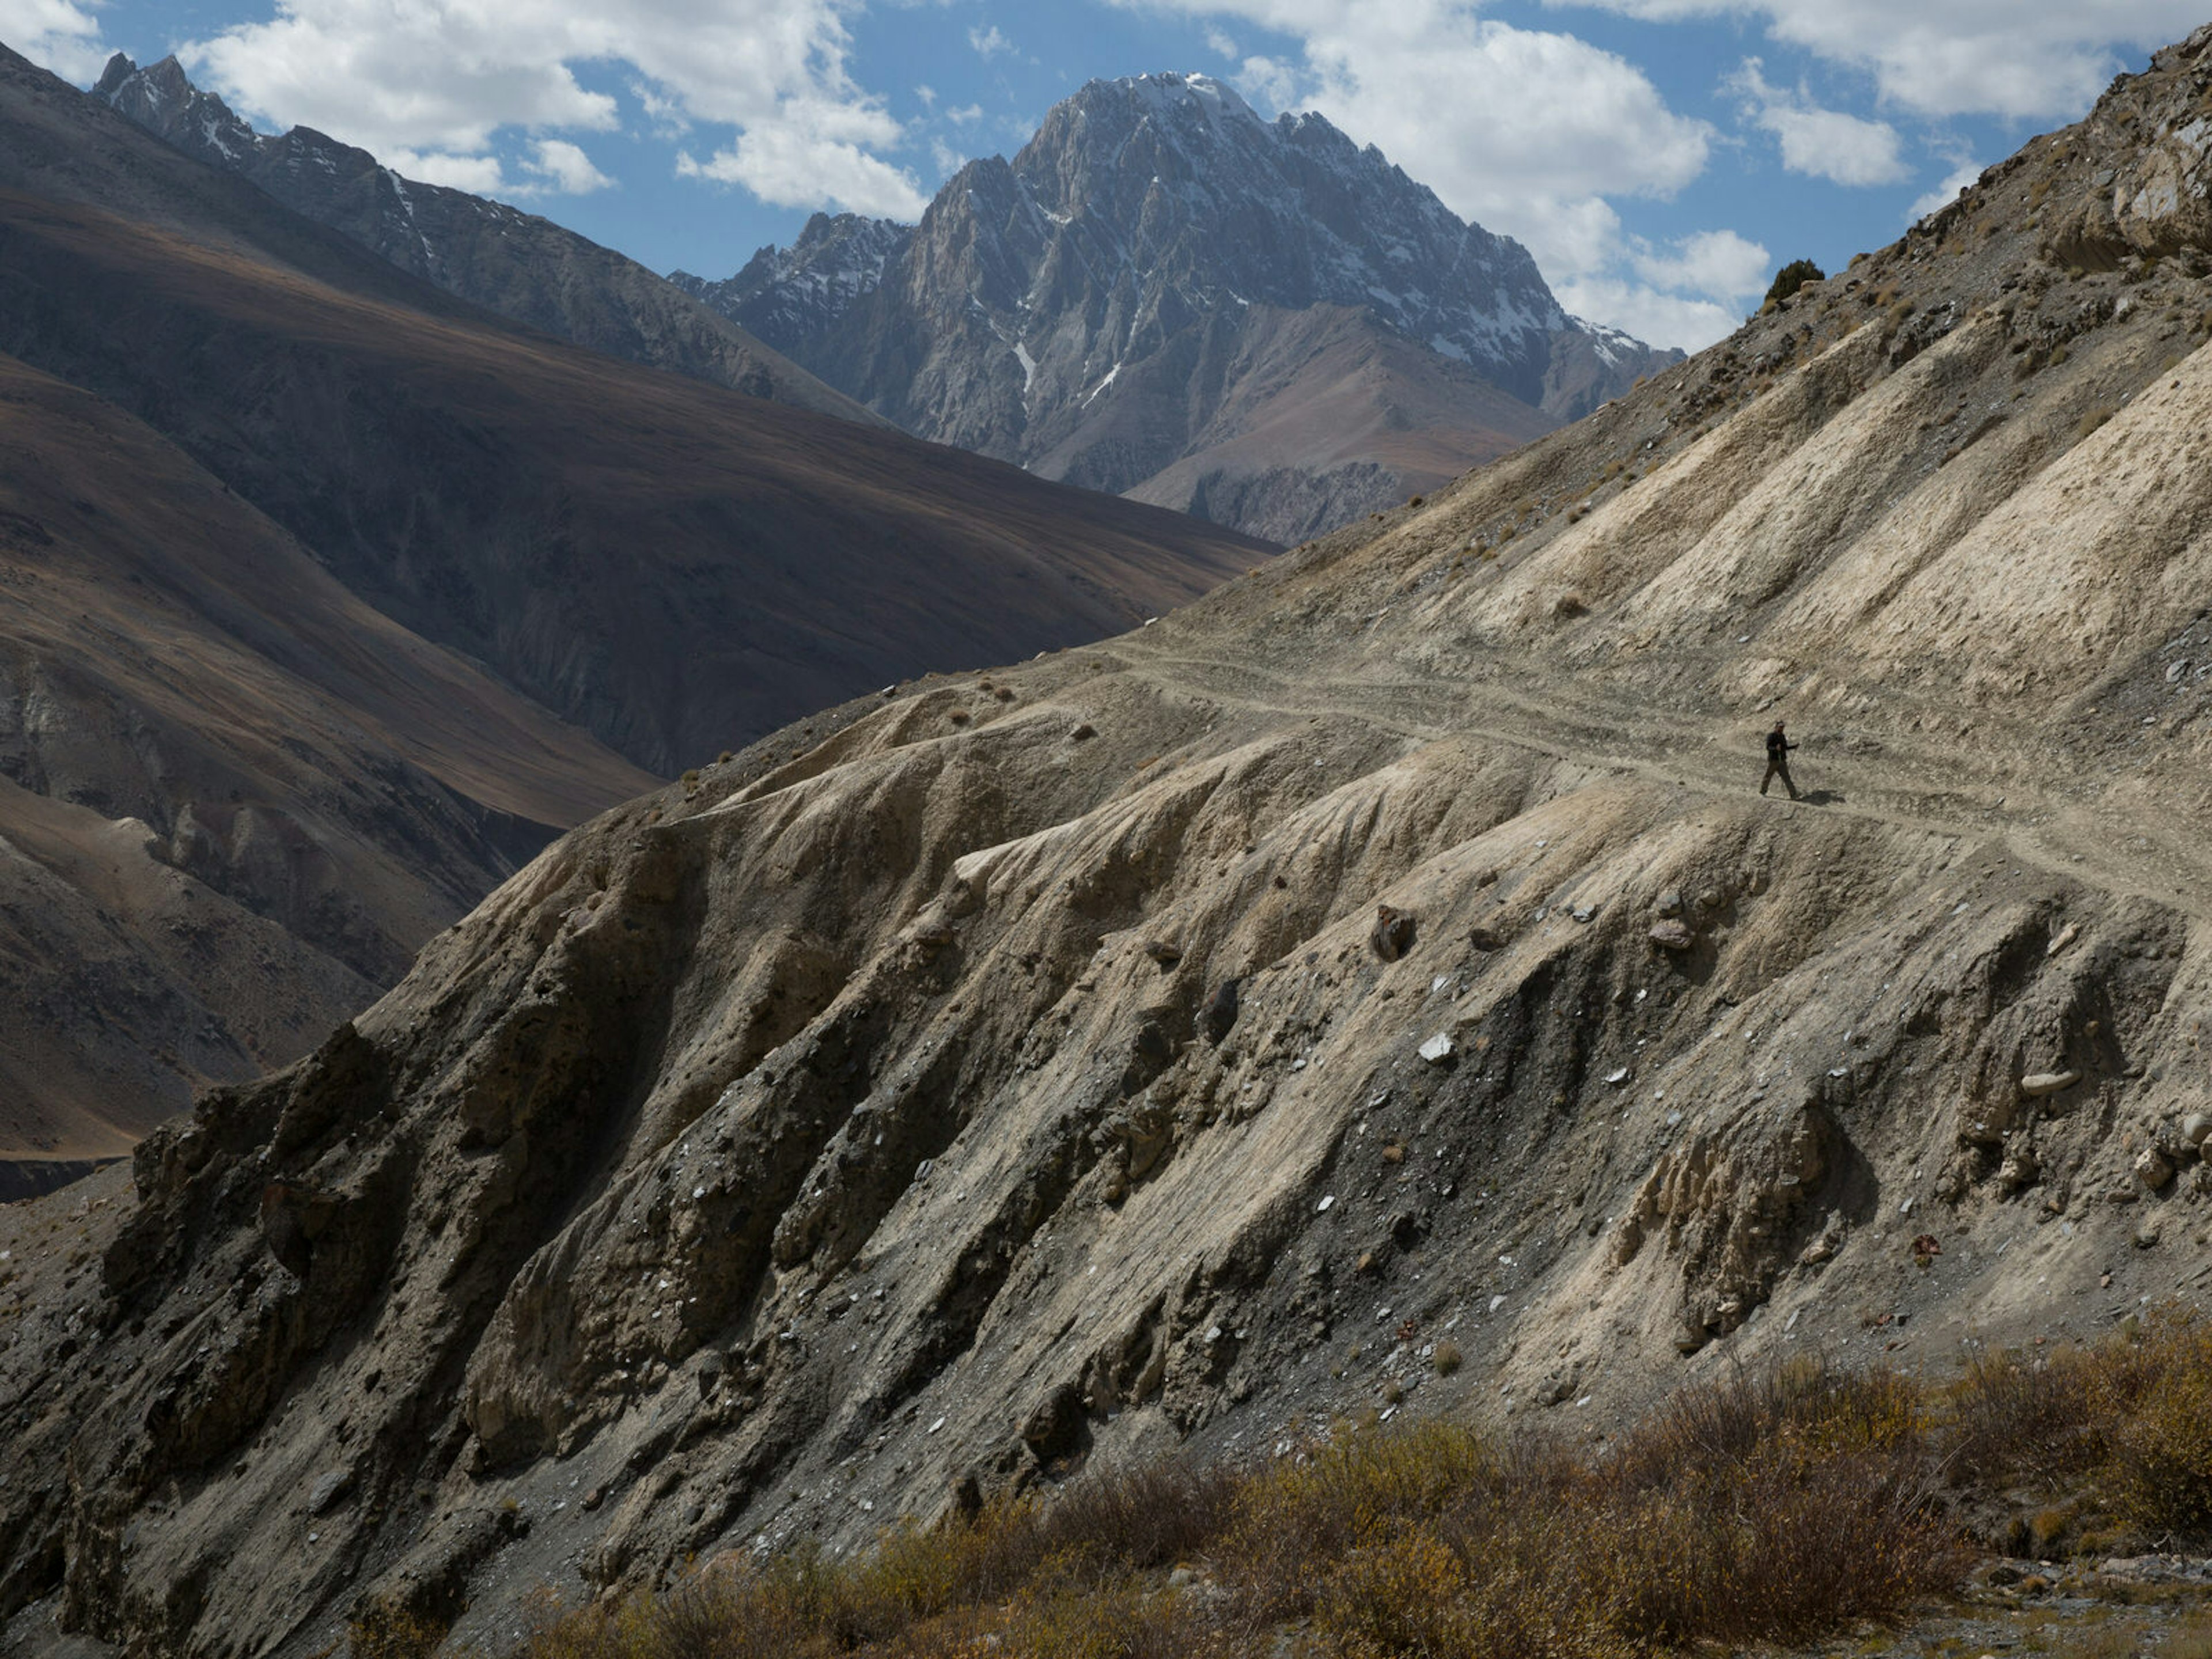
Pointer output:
120, 68
1172, 90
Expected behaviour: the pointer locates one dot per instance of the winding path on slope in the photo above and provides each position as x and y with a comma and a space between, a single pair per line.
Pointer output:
1965, 798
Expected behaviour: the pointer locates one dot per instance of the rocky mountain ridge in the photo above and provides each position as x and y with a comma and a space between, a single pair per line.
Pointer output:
516, 264
1094, 309
1171, 1042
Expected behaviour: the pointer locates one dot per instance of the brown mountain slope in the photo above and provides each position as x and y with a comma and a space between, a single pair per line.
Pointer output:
773, 1159
237, 797
674, 567
1334, 416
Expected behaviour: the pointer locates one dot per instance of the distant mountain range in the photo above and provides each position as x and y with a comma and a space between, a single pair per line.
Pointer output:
327, 597
1164, 296
515, 263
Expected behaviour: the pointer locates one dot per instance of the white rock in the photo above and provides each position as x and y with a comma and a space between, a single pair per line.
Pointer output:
2065, 937
1617, 1078
2154, 1169
1325, 1203
1437, 1049
2048, 1083
2196, 1129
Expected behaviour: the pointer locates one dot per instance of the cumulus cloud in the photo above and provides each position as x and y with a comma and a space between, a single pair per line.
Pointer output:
1717, 264
54, 34
1687, 292
565, 168
989, 43
1655, 318
786, 167
442, 81
480, 175
1965, 173
2002, 58
1824, 143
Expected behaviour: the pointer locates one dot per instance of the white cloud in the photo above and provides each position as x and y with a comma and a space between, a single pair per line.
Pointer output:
964, 115
1717, 264
786, 166
2028, 59
480, 175
1220, 43
1656, 318
441, 81
989, 43
1824, 143
565, 167
1687, 293
54, 34
1946, 192
927, 94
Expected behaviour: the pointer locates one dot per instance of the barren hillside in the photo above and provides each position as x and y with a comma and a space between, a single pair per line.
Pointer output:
1003, 1072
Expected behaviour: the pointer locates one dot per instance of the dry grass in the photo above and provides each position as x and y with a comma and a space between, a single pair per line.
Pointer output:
1761, 1510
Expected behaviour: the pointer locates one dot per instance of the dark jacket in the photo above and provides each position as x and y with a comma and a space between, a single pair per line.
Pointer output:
1779, 748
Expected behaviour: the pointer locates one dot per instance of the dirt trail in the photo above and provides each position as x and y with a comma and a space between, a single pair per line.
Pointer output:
1962, 797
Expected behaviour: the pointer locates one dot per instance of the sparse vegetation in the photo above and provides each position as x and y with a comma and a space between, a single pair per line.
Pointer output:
1754, 1510
1791, 277
2091, 419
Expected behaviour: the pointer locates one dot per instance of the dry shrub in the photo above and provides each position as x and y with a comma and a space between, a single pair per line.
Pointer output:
1802, 1405
2157, 1393
2014, 1417
1406, 1590
1110, 1522
387, 1633
1293, 1521
1059, 1619
1763, 1509
1779, 1547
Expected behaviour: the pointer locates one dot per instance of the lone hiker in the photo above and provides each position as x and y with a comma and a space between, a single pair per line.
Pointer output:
1778, 761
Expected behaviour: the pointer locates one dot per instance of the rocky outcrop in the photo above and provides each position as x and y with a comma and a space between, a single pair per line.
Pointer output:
515, 263
1104, 309
788, 296
1017, 1071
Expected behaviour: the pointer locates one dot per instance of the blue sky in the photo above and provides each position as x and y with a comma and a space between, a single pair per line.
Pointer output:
1660, 157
